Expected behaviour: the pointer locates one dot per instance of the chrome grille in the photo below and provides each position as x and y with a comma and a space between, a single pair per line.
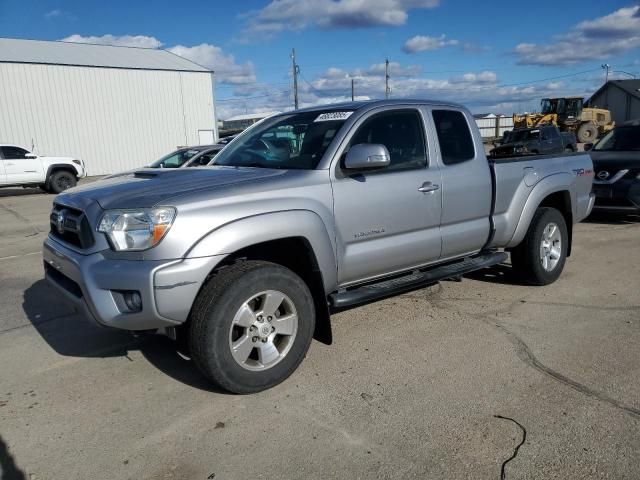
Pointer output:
71, 226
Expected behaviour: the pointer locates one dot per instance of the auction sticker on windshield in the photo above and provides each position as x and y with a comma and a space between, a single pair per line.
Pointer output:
329, 116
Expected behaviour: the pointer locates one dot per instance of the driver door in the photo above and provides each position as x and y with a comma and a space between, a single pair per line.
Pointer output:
388, 220
19, 168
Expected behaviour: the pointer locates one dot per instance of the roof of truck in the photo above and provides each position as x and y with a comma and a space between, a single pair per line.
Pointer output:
377, 103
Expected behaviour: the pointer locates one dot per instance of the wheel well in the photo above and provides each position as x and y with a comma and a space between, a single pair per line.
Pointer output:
296, 254
64, 168
561, 201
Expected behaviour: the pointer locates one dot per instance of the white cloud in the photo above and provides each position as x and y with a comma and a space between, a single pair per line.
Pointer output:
210, 56
587, 41
141, 41
224, 65
422, 43
53, 13
480, 91
281, 15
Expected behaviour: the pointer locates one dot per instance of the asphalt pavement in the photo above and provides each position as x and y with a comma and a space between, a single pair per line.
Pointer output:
440, 383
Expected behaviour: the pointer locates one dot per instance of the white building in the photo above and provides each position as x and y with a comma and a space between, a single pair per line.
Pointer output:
114, 107
492, 125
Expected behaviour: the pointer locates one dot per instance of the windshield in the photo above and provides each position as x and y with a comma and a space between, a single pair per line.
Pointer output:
175, 159
524, 135
546, 105
620, 139
296, 141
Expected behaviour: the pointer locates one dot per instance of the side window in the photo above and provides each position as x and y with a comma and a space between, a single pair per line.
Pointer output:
13, 153
401, 132
546, 134
454, 136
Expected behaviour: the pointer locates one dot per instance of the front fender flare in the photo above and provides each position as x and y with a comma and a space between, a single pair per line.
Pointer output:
60, 166
557, 182
245, 232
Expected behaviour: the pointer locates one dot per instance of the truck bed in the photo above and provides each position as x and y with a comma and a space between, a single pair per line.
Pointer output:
516, 178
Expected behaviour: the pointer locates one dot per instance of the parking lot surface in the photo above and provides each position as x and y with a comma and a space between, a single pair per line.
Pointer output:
442, 382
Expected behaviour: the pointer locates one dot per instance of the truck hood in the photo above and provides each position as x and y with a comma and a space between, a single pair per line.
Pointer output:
153, 186
49, 160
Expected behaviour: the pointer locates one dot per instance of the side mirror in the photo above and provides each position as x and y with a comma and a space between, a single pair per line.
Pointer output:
367, 156
588, 146
30, 155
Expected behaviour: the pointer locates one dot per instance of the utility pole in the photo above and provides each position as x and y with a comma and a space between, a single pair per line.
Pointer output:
295, 70
387, 90
606, 67
352, 90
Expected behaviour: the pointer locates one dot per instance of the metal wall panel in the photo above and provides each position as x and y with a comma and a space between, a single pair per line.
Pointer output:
114, 119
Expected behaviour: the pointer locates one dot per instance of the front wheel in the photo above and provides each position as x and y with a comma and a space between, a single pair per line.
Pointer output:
61, 181
251, 326
541, 256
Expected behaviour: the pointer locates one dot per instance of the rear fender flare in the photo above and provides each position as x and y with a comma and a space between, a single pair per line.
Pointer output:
248, 231
552, 184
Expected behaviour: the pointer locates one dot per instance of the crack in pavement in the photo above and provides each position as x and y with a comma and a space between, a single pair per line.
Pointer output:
629, 308
20, 217
503, 473
525, 354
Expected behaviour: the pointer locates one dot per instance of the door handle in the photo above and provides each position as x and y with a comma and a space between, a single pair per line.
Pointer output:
9, 164
428, 187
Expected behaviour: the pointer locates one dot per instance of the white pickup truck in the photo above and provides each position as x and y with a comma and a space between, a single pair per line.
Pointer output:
20, 167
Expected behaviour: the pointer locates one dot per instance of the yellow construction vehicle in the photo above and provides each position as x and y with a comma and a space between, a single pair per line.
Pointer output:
569, 115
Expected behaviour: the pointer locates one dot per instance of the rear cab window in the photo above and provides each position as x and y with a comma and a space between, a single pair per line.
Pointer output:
454, 136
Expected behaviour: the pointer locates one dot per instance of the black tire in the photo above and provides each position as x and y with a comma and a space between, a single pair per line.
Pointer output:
526, 259
61, 180
212, 317
587, 133
568, 149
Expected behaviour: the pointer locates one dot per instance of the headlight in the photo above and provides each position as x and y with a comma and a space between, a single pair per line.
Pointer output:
136, 229
520, 150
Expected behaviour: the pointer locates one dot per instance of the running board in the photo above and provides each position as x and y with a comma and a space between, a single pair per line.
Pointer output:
387, 288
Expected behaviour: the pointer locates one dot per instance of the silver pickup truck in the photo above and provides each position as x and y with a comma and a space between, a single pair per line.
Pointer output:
305, 213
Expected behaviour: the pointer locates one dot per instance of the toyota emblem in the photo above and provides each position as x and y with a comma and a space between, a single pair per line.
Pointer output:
603, 175
60, 218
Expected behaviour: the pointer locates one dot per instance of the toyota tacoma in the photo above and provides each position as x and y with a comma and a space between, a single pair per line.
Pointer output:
303, 214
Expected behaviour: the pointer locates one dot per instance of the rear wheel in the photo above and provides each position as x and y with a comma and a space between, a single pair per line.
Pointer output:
251, 326
540, 258
587, 133
61, 180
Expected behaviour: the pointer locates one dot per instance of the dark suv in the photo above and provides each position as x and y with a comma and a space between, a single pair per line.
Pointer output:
616, 160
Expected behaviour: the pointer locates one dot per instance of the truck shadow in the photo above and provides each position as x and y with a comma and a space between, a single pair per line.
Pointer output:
502, 274
612, 218
71, 335
20, 192
8, 468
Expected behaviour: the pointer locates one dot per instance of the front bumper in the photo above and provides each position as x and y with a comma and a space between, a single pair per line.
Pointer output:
620, 196
95, 283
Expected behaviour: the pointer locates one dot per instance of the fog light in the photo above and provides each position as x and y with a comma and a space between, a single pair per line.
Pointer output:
133, 300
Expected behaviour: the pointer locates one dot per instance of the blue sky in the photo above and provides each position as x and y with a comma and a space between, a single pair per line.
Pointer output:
491, 56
